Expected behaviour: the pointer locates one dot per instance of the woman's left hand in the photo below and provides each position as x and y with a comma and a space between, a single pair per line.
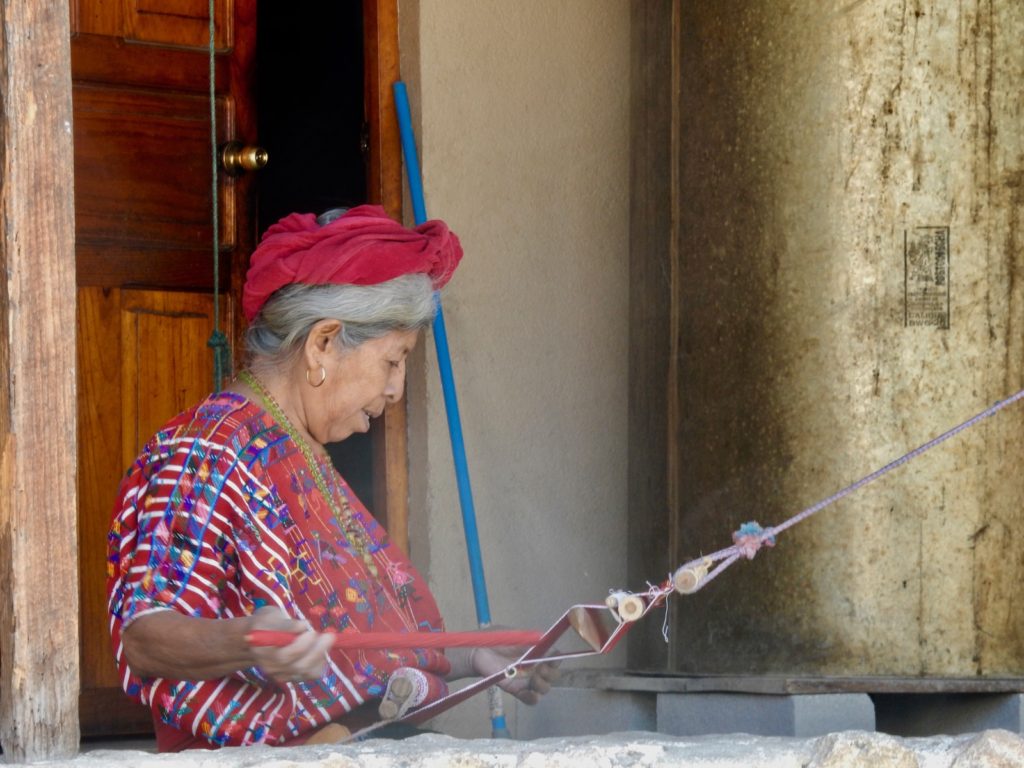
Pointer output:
528, 685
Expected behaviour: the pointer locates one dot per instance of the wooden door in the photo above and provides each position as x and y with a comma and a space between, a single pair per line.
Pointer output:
144, 256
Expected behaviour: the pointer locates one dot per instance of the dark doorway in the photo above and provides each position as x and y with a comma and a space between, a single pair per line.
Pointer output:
309, 74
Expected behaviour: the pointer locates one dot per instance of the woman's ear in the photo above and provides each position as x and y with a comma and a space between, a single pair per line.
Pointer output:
318, 343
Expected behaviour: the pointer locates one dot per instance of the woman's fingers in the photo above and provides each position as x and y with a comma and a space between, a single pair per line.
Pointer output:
311, 665
542, 676
548, 672
518, 686
271, 618
531, 683
538, 684
302, 659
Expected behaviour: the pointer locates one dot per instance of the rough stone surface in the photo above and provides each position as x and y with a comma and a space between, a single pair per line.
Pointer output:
855, 749
850, 248
989, 749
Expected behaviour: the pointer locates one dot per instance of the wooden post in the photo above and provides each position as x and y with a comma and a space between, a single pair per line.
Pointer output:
384, 187
39, 655
652, 311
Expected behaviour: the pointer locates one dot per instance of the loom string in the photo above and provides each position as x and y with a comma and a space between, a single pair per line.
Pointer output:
752, 543
218, 341
725, 558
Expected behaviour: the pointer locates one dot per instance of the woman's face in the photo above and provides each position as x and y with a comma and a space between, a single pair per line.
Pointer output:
359, 383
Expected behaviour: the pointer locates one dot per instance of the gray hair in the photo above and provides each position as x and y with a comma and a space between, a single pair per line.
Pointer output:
366, 312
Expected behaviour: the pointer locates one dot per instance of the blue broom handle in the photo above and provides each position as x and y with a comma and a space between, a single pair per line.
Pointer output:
498, 726
444, 362
451, 404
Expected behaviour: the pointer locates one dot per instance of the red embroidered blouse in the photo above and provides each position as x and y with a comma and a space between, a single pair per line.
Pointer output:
221, 515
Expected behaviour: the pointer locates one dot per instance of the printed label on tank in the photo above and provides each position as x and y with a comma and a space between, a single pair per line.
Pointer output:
926, 276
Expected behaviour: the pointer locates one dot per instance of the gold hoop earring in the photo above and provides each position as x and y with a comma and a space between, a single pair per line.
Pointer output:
323, 377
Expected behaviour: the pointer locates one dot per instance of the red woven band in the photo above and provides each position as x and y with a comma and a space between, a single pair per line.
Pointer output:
400, 640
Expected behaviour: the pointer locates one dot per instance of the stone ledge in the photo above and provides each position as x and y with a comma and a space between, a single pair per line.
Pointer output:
619, 680
989, 749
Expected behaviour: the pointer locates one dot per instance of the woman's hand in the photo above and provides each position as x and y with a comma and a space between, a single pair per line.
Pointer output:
528, 685
302, 659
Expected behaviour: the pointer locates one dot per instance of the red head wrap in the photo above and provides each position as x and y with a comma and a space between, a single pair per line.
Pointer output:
362, 247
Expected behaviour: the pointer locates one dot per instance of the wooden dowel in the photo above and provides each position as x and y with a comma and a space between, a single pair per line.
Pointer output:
631, 607
402, 640
686, 581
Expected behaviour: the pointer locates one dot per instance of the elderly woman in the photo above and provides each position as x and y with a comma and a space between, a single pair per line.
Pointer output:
233, 519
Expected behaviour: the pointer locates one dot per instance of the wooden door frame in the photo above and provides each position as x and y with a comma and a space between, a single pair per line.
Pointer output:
38, 464
653, 311
39, 662
384, 187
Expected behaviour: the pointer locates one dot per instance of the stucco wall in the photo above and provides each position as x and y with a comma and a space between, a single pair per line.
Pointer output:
522, 124
850, 253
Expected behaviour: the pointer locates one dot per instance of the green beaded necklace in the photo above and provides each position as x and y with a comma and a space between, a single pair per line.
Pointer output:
355, 535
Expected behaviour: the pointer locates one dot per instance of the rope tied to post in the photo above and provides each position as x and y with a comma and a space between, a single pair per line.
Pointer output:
750, 537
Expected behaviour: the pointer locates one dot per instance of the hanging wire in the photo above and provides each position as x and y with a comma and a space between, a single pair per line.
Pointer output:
218, 342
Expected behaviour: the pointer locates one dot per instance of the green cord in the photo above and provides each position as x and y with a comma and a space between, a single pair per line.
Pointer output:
217, 342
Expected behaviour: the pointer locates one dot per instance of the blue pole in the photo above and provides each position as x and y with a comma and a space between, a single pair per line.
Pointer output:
451, 402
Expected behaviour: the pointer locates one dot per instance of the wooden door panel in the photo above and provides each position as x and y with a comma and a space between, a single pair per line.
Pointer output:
149, 147
184, 23
145, 361
142, 185
190, 9
176, 22
143, 201
104, 709
165, 363
99, 17
106, 60
100, 467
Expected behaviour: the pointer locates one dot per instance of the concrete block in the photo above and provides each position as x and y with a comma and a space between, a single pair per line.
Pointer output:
934, 714
819, 714
805, 715
584, 712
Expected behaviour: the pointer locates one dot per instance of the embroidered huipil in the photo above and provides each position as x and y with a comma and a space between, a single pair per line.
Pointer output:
219, 516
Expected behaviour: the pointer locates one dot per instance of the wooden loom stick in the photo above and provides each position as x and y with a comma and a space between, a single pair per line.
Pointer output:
402, 640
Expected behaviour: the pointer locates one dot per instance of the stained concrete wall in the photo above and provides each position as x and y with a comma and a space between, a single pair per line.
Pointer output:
521, 115
850, 256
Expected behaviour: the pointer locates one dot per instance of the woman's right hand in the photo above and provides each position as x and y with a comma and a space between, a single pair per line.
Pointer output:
303, 659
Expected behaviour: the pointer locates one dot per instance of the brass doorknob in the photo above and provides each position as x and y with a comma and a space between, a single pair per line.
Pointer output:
236, 158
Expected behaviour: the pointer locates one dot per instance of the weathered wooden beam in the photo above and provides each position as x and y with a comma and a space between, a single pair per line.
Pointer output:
384, 187
651, 310
39, 655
